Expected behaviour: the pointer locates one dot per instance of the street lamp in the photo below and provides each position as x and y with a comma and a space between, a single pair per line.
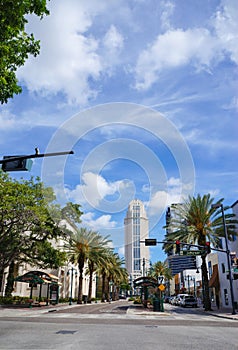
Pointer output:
227, 255
71, 283
144, 270
192, 279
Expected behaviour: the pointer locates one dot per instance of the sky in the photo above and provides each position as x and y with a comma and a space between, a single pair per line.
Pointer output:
145, 94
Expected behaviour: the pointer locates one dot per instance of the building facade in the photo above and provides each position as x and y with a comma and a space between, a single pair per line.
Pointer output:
136, 230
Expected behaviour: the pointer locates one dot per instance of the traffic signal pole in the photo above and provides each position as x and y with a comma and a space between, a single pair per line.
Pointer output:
9, 159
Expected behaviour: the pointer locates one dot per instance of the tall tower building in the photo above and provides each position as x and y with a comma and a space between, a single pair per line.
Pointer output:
136, 229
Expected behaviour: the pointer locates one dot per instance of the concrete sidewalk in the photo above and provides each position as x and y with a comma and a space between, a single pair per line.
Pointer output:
133, 309
223, 313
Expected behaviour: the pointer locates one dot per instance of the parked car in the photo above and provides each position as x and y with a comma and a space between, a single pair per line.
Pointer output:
172, 300
189, 300
179, 298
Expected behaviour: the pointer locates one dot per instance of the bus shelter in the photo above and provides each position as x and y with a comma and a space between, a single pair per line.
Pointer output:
35, 278
146, 285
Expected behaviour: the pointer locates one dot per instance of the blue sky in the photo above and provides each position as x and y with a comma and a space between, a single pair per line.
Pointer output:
144, 92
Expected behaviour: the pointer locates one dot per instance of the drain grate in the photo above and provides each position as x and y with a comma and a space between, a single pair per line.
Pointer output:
63, 331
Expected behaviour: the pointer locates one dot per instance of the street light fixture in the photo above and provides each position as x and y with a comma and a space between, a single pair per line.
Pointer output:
192, 279
71, 283
220, 205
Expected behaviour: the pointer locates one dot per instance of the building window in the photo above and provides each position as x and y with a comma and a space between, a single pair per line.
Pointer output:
226, 297
220, 243
223, 268
209, 268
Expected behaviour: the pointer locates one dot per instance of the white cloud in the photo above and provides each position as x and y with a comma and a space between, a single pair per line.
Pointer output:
121, 251
68, 56
199, 47
163, 198
226, 26
173, 49
94, 189
7, 120
168, 9
102, 222
113, 40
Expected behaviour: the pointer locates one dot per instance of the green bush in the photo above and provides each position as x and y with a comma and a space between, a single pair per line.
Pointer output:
13, 300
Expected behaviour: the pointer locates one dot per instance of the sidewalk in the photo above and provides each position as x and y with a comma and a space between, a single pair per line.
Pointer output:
15, 311
223, 313
133, 309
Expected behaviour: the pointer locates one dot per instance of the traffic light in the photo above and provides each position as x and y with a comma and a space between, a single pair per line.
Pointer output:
207, 247
150, 241
17, 164
177, 247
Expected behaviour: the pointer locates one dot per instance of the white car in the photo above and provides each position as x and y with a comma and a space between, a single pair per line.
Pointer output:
189, 300
179, 298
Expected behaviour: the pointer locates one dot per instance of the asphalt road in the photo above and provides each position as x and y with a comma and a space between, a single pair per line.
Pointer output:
111, 327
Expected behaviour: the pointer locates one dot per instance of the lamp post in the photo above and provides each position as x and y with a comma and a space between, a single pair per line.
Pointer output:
227, 255
71, 284
190, 278
144, 270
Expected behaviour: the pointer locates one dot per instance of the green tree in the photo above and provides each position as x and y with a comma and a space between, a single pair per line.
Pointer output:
25, 223
15, 43
160, 269
96, 258
79, 246
112, 272
195, 222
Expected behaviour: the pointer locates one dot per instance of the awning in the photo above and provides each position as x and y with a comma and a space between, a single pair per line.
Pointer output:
214, 280
38, 277
145, 282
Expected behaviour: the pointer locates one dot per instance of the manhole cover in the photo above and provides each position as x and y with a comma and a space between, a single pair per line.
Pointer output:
65, 332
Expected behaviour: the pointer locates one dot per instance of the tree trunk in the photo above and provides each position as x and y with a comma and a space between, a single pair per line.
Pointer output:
1, 279
80, 291
10, 280
103, 287
206, 301
90, 284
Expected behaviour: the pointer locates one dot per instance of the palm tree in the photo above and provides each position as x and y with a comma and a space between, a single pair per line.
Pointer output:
160, 269
111, 270
78, 249
96, 257
197, 221
117, 274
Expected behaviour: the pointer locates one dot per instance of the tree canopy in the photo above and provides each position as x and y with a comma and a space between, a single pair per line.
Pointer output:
15, 43
27, 228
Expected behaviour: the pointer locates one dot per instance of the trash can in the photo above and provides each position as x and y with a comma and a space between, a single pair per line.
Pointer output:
156, 305
85, 299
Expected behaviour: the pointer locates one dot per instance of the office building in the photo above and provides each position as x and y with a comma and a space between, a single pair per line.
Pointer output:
136, 229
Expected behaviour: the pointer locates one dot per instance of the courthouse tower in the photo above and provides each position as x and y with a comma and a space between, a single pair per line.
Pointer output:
136, 229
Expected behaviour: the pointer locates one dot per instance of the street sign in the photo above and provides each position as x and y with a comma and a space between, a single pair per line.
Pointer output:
161, 287
160, 279
190, 252
179, 263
